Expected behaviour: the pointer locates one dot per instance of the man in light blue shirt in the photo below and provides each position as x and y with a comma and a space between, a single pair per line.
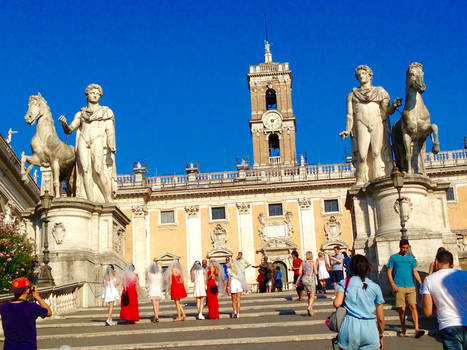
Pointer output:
401, 272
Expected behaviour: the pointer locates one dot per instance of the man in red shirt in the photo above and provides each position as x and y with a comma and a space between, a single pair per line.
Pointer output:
296, 263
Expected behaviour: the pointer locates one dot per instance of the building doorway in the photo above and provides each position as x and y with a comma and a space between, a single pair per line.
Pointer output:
283, 269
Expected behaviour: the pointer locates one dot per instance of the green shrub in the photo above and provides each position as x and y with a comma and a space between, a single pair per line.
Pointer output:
16, 256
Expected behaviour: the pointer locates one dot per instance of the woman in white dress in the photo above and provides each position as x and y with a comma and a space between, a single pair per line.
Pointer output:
110, 293
199, 279
154, 282
323, 273
236, 284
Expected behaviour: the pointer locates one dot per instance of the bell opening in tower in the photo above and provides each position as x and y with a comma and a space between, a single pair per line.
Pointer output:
274, 147
271, 99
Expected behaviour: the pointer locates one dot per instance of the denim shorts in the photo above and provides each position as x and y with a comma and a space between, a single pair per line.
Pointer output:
454, 338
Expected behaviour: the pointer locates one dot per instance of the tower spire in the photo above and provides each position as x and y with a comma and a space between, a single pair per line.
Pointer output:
267, 50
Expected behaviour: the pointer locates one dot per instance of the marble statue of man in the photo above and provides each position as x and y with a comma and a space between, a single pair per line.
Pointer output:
95, 147
368, 125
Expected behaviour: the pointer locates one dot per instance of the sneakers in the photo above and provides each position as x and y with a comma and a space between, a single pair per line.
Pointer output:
238, 315
201, 317
109, 323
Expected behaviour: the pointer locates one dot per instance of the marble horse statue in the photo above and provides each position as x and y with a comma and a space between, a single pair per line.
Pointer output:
411, 130
47, 149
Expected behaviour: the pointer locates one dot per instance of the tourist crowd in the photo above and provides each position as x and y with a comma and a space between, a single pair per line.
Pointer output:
360, 326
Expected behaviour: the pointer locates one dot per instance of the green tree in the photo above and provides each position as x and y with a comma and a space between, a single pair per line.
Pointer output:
16, 255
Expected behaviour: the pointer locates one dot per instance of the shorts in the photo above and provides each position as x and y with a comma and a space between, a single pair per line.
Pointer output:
337, 276
235, 286
454, 337
404, 293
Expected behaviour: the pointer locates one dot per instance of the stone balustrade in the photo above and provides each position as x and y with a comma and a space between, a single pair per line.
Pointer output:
277, 173
62, 299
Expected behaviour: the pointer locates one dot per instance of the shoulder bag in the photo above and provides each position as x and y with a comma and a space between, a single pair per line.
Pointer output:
334, 321
125, 298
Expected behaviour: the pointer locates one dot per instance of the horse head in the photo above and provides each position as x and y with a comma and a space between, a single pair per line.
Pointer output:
37, 107
414, 77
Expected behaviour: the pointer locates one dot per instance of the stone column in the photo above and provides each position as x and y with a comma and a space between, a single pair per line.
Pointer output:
246, 238
140, 234
193, 235
307, 226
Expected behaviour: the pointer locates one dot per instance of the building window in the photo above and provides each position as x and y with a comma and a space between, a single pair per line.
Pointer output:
275, 209
331, 205
167, 217
271, 99
450, 195
274, 146
218, 213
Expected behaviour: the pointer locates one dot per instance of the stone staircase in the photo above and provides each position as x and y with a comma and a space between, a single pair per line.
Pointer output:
269, 321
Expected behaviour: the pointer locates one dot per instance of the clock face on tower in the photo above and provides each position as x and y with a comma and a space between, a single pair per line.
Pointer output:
272, 120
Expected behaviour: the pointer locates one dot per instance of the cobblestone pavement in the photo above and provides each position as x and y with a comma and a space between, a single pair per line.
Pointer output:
268, 321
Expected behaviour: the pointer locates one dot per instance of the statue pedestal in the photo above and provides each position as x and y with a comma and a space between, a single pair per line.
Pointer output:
84, 237
376, 222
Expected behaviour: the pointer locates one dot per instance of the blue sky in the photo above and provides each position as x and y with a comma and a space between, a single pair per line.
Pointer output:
174, 72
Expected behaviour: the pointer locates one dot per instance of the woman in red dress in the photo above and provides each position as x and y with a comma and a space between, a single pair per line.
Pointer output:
130, 312
176, 277
214, 282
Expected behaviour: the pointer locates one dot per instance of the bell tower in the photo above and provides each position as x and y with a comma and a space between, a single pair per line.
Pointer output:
272, 122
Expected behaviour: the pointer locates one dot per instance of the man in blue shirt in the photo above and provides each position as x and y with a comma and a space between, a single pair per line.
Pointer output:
19, 316
401, 272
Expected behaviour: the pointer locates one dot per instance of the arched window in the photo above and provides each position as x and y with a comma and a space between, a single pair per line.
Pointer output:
271, 99
274, 148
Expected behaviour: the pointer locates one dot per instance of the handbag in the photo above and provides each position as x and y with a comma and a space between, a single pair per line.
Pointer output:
125, 298
334, 321
213, 289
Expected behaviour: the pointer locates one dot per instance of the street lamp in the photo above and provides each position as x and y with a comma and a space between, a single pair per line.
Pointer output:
45, 276
398, 181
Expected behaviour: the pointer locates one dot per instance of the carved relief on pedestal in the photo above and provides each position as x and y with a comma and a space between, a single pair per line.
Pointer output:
140, 211
118, 237
192, 211
406, 205
304, 203
243, 208
58, 232
219, 237
332, 227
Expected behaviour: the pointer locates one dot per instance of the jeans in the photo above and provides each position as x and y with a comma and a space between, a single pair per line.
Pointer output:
454, 338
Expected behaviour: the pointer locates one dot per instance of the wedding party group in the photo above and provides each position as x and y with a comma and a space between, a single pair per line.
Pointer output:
209, 280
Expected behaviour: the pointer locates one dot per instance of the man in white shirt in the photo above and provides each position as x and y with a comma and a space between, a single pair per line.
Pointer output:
447, 288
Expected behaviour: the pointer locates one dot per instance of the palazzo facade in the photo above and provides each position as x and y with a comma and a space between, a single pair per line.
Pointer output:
277, 205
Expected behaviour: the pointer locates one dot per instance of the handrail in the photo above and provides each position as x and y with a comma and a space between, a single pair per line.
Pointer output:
45, 292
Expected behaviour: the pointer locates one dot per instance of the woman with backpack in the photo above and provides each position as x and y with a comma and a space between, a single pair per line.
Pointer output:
360, 296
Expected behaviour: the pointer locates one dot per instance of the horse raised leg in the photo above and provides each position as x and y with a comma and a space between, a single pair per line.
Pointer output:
33, 161
434, 130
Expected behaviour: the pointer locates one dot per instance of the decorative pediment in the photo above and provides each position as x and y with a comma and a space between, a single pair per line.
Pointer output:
328, 246
166, 258
277, 244
219, 255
